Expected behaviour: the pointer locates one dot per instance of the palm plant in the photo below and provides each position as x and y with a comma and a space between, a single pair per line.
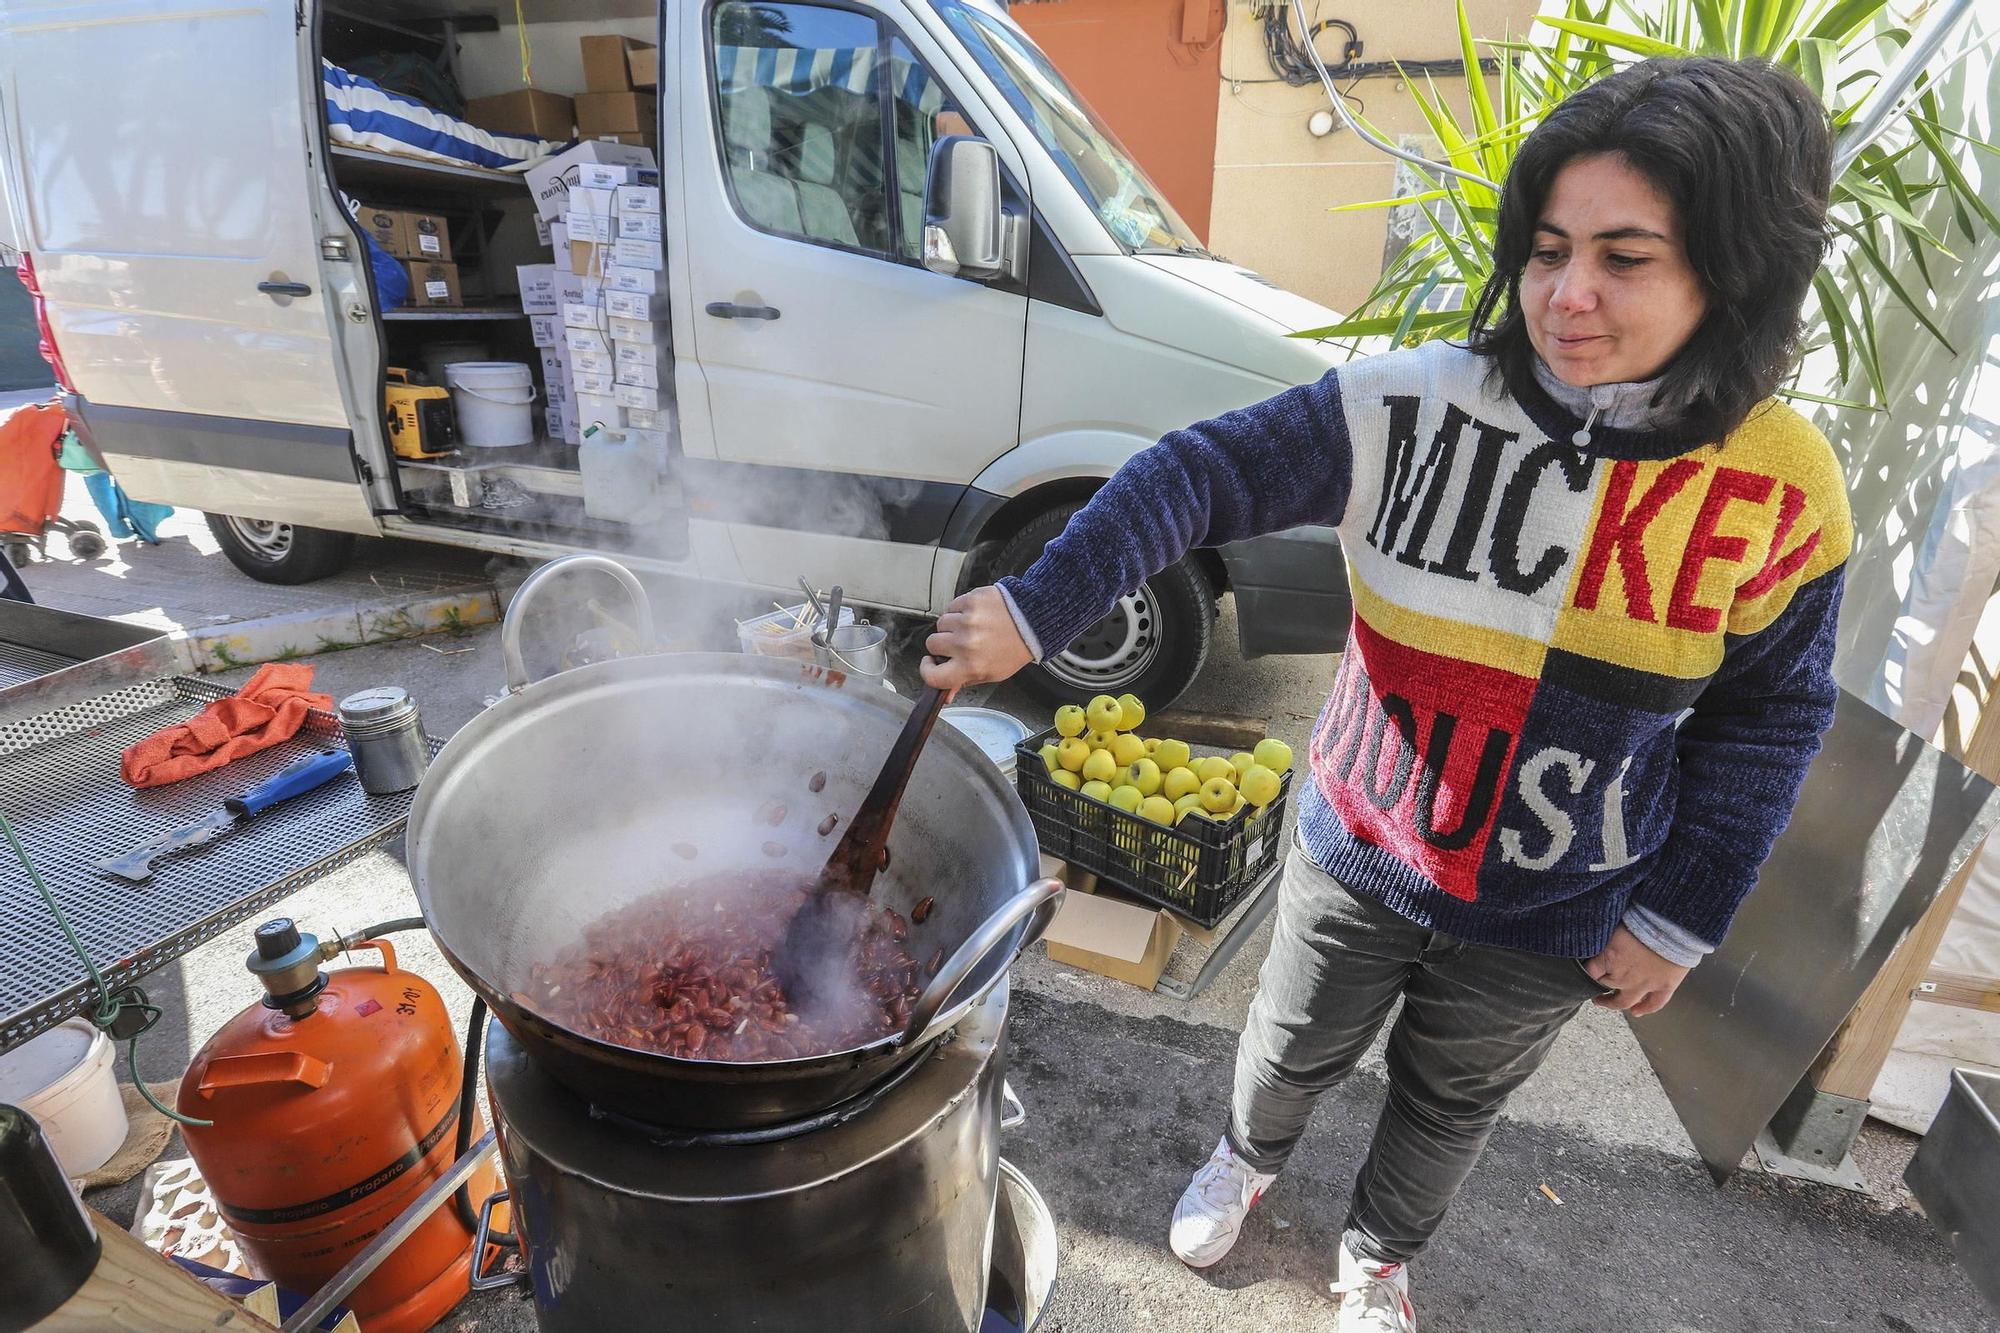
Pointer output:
1839, 47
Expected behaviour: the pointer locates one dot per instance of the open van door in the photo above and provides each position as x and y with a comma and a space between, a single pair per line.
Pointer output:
159, 166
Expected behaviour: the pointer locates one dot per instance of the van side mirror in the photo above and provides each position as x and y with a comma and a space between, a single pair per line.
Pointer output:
966, 232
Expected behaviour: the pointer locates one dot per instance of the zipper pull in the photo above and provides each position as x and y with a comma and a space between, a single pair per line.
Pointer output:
1581, 439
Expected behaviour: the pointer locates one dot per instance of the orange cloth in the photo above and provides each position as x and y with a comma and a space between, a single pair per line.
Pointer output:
267, 711
31, 485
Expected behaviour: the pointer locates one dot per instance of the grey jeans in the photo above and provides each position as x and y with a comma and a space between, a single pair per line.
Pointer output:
1476, 1022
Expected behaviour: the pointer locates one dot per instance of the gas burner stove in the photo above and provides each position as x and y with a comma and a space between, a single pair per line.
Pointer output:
888, 1213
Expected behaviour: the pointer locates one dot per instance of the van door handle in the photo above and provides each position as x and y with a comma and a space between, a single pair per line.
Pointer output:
730, 310
284, 289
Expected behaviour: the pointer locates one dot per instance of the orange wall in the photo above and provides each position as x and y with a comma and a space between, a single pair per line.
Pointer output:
1152, 70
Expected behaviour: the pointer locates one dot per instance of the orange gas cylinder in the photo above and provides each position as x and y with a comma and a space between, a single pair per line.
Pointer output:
335, 1104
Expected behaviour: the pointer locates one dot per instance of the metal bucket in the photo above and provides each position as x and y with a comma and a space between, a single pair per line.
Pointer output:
860, 649
1022, 1278
1956, 1177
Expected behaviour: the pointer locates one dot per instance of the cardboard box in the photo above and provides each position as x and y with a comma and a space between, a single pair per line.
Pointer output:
546, 330
627, 200
621, 278
647, 140
429, 237
555, 362
639, 374
542, 235
586, 340
599, 410
639, 227
617, 113
637, 305
527, 112
1115, 939
579, 289
637, 399
550, 180
596, 228
558, 240
591, 363
584, 315
538, 288
631, 330
564, 426
587, 258
606, 62
433, 284
642, 65
558, 390
638, 254
387, 227
595, 384
640, 418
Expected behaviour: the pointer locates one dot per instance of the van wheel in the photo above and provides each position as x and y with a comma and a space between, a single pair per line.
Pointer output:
280, 552
1152, 644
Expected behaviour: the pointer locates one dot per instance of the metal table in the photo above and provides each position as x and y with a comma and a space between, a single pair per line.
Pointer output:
60, 788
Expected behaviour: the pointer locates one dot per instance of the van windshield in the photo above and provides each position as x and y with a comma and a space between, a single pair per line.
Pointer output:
1131, 206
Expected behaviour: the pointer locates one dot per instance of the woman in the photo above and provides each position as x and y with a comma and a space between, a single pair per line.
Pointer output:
1560, 539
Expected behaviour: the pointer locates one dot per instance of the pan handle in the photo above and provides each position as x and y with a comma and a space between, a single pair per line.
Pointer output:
510, 629
1039, 900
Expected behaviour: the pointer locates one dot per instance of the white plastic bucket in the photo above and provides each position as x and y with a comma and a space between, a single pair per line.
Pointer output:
65, 1079
494, 402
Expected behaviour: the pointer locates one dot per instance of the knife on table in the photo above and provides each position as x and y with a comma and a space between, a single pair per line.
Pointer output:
302, 777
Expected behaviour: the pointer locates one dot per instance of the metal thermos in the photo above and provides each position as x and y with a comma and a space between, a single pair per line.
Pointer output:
386, 737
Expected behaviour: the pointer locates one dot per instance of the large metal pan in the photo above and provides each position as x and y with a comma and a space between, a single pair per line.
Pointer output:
563, 802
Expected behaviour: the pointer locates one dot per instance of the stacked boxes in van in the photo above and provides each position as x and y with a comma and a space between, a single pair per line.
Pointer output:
423, 242
598, 312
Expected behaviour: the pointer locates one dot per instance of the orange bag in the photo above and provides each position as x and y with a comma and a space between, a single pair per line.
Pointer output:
31, 485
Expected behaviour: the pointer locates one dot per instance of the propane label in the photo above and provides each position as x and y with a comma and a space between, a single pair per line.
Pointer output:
367, 1007
298, 1212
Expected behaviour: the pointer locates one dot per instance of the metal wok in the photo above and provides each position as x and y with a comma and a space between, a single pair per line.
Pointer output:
561, 803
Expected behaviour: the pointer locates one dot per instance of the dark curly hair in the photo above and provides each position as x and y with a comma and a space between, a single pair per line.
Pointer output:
1744, 152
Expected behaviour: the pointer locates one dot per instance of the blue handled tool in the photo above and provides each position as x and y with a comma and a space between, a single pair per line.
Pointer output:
302, 777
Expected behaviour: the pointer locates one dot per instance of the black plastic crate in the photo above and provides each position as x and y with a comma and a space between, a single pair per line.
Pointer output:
1199, 868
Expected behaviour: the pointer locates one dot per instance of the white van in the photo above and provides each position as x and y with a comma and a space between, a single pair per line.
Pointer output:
904, 334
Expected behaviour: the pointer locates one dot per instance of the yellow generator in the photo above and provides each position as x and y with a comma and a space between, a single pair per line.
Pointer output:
418, 417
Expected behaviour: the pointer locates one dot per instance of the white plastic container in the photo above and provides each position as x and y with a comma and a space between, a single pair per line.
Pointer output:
65, 1079
621, 476
494, 401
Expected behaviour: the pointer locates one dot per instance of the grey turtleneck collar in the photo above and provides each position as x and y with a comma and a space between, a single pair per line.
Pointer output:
1627, 406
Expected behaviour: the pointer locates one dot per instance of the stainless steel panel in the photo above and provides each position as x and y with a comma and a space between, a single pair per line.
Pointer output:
1882, 823
49, 658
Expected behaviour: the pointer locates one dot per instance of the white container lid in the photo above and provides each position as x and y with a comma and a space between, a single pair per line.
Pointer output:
32, 1067
994, 732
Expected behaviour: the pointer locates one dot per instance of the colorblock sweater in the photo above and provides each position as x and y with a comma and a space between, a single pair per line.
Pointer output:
1586, 670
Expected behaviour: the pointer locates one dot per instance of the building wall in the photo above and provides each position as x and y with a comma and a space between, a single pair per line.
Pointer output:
1151, 69
1274, 181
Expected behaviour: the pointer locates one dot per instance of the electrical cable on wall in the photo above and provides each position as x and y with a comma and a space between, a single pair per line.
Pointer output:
1292, 63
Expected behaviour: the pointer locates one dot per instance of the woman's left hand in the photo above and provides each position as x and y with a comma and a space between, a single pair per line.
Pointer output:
1645, 981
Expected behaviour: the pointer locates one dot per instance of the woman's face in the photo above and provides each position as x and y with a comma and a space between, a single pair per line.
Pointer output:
1608, 294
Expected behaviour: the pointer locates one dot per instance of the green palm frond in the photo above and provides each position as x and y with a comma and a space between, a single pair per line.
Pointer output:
1883, 212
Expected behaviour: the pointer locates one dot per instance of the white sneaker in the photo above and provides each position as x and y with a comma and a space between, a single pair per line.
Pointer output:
1374, 1298
1212, 1209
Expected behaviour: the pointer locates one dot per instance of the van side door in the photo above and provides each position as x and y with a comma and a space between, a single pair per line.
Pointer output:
159, 166
852, 395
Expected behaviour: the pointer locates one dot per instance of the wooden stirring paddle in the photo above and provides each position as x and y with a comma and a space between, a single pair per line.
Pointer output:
816, 958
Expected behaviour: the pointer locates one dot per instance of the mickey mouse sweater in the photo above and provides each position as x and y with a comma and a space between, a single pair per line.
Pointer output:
1586, 669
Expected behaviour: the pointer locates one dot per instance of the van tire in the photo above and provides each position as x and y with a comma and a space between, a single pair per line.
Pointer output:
1176, 608
280, 552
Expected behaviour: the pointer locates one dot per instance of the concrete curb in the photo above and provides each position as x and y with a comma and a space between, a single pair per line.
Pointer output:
306, 633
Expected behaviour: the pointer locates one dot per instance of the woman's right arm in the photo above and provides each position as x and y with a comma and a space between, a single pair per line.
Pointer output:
1263, 468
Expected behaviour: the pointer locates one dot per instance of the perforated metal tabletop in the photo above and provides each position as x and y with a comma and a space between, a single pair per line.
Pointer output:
60, 788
